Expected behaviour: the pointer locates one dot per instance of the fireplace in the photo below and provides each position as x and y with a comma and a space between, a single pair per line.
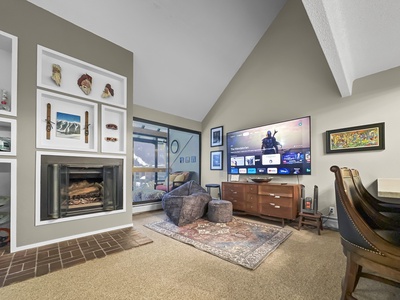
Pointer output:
72, 186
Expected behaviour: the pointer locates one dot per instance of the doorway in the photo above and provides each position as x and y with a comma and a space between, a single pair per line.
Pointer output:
163, 157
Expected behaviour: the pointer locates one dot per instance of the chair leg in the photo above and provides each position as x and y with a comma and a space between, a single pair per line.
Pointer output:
319, 225
351, 277
300, 224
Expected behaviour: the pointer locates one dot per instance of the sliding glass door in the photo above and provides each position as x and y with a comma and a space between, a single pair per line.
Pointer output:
163, 158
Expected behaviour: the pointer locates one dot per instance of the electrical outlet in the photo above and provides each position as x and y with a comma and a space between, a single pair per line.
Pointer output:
331, 210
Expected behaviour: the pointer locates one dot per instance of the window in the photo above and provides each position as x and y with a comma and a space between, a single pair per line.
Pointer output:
160, 151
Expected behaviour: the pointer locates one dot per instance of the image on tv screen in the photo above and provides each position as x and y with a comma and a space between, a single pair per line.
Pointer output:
282, 148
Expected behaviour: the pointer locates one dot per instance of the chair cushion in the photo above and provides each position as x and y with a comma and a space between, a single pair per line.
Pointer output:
391, 236
171, 178
145, 194
180, 177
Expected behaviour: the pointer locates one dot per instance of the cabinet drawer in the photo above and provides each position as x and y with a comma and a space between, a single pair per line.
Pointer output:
252, 198
237, 204
251, 207
233, 191
231, 196
276, 190
280, 201
277, 206
251, 203
277, 211
252, 189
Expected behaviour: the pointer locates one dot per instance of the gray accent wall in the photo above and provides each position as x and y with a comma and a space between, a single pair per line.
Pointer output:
33, 26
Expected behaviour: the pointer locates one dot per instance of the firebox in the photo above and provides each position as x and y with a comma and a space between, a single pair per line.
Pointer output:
78, 186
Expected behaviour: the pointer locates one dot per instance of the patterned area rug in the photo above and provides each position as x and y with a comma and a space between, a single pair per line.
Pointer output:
239, 242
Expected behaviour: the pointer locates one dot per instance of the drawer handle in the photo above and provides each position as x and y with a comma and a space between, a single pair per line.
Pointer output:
272, 195
277, 206
277, 197
273, 204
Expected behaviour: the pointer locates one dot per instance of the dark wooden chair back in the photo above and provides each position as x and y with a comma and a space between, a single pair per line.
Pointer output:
378, 219
376, 249
377, 204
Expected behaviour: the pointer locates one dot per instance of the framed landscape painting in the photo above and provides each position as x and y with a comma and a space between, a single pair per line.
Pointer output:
216, 162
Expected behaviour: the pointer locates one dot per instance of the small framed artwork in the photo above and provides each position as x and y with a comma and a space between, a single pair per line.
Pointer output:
216, 160
357, 138
216, 136
64, 122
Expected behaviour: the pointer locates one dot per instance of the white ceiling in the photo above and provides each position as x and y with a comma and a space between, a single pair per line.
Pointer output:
187, 51
358, 37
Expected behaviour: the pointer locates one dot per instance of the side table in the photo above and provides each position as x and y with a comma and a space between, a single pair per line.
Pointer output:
311, 219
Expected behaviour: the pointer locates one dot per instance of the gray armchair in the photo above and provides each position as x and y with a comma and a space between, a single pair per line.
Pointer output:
186, 203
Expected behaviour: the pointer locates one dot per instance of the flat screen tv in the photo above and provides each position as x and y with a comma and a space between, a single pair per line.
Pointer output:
282, 148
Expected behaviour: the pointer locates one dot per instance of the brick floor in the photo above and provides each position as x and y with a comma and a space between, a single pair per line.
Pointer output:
26, 264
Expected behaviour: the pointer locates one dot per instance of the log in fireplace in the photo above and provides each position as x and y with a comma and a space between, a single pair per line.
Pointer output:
76, 186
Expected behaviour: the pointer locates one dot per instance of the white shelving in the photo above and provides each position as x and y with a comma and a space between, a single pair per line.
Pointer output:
71, 70
113, 130
8, 168
8, 74
8, 138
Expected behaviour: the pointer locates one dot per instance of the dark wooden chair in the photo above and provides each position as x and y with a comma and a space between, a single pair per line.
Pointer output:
372, 253
362, 200
377, 204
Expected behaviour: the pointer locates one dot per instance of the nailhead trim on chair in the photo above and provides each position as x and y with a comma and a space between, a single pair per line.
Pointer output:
377, 250
359, 247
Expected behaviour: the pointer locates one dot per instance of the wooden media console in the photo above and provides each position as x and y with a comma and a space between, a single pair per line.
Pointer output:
276, 201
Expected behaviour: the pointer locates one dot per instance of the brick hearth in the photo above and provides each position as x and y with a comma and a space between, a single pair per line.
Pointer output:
26, 264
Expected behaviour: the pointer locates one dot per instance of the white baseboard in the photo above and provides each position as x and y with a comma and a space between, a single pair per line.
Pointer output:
330, 222
139, 208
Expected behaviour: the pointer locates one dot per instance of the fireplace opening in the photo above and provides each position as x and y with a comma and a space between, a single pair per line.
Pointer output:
77, 188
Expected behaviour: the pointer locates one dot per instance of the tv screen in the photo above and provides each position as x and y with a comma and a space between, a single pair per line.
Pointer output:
282, 148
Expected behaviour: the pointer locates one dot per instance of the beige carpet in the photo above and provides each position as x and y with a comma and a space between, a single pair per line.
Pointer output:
306, 266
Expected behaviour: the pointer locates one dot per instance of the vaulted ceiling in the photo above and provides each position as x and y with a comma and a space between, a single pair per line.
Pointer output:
187, 51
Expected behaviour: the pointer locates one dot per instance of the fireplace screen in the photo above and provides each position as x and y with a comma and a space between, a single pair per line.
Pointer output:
77, 189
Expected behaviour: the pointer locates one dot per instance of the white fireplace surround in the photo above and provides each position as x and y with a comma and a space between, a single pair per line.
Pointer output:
39, 154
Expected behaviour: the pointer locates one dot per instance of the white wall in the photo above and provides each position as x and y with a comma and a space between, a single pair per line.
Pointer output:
287, 76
